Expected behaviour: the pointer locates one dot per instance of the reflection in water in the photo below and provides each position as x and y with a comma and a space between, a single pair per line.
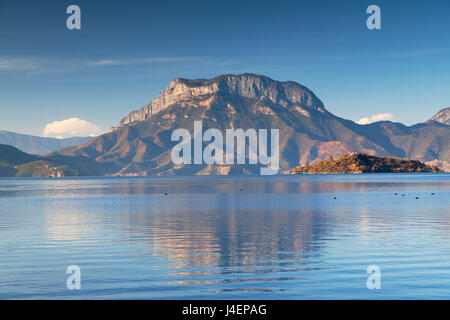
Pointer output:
220, 237
68, 225
230, 238
228, 243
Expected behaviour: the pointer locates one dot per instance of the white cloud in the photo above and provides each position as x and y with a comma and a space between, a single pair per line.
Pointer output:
72, 127
106, 62
38, 65
18, 64
376, 117
116, 62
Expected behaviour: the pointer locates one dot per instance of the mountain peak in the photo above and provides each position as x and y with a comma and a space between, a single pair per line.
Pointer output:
246, 86
443, 116
226, 78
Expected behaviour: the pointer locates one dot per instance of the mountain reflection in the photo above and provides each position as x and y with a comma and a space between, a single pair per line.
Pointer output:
227, 240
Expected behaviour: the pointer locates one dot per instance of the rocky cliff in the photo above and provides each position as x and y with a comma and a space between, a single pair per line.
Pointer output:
443, 116
246, 85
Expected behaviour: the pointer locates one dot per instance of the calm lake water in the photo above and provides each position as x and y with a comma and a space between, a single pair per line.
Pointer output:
280, 237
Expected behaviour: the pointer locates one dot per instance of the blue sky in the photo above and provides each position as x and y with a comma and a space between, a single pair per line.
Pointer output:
126, 52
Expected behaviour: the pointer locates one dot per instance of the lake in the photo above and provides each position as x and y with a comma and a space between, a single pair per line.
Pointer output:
210, 237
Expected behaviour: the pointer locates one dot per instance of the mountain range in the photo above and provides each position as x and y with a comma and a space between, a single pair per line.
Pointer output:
38, 145
141, 143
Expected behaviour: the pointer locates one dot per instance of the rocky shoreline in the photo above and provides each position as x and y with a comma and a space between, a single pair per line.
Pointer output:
363, 163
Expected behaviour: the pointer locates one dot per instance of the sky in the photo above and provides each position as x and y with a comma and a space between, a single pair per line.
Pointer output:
60, 82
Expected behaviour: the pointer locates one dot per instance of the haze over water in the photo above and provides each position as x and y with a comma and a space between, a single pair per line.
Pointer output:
280, 237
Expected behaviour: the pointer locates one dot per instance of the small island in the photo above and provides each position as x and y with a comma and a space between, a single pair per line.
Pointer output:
362, 163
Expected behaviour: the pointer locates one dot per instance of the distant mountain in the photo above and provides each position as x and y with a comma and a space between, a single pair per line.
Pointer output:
363, 163
38, 145
16, 163
443, 116
141, 144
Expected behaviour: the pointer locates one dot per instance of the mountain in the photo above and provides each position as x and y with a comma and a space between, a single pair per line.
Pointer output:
38, 145
16, 163
247, 86
141, 144
443, 116
363, 163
